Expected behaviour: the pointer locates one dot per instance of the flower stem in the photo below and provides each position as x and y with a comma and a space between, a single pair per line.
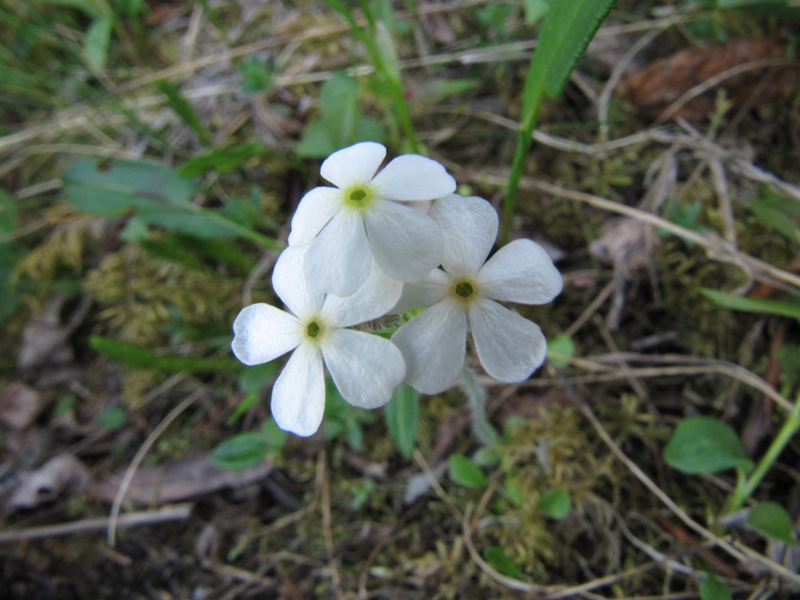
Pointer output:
524, 133
476, 396
746, 486
380, 47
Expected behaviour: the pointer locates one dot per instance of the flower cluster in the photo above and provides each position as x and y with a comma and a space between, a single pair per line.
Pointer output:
357, 253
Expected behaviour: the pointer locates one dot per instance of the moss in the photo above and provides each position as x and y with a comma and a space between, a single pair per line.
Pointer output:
139, 296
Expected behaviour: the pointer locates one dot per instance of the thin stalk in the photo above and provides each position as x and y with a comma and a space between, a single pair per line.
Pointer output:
389, 73
476, 396
746, 488
524, 136
241, 230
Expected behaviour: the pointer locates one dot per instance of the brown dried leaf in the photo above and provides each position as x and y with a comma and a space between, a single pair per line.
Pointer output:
664, 81
44, 339
178, 481
60, 475
626, 244
19, 406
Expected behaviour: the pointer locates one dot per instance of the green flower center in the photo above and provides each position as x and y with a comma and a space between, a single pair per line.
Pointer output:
312, 329
358, 197
464, 289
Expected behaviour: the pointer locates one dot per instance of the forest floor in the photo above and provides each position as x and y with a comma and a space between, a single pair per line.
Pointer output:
666, 172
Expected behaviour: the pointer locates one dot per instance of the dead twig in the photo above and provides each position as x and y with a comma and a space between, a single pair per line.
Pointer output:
327, 533
716, 248
738, 551
176, 512
137, 460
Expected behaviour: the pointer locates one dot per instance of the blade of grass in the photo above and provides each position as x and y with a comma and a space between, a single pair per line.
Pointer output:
566, 31
755, 305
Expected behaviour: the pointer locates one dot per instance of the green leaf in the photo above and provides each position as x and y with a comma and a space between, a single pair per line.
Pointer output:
275, 436
252, 380
64, 405
712, 588
535, 10
340, 124
95, 44
316, 141
112, 418
202, 254
257, 377
772, 520
135, 356
91, 8
117, 187
464, 472
686, 215
339, 98
361, 493
767, 7
560, 350
567, 29
153, 192
789, 357
183, 109
8, 213
496, 556
344, 419
555, 503
513, 490
249, 400
755, 305
779, 212
10, 255
135, 230
223, 160
705, 445
241, 451
402, 419
257, 77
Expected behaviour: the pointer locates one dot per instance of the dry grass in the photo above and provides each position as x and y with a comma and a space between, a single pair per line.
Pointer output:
602, 188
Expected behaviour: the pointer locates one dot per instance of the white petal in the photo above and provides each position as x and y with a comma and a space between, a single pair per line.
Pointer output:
429, 291
338, 260
354, 164
316, 208
469, 226
405, 243
366, 368
298, 396
509, 346
290, 283
433, 345
262, 333
414, 177
521, 272
372, 300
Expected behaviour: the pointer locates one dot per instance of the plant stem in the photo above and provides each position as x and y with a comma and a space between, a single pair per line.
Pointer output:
385, 65
745, 489
241, 230
524, 133
476, 396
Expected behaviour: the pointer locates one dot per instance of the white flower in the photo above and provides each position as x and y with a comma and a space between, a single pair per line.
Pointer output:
358, 220
463, 296
366, 368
